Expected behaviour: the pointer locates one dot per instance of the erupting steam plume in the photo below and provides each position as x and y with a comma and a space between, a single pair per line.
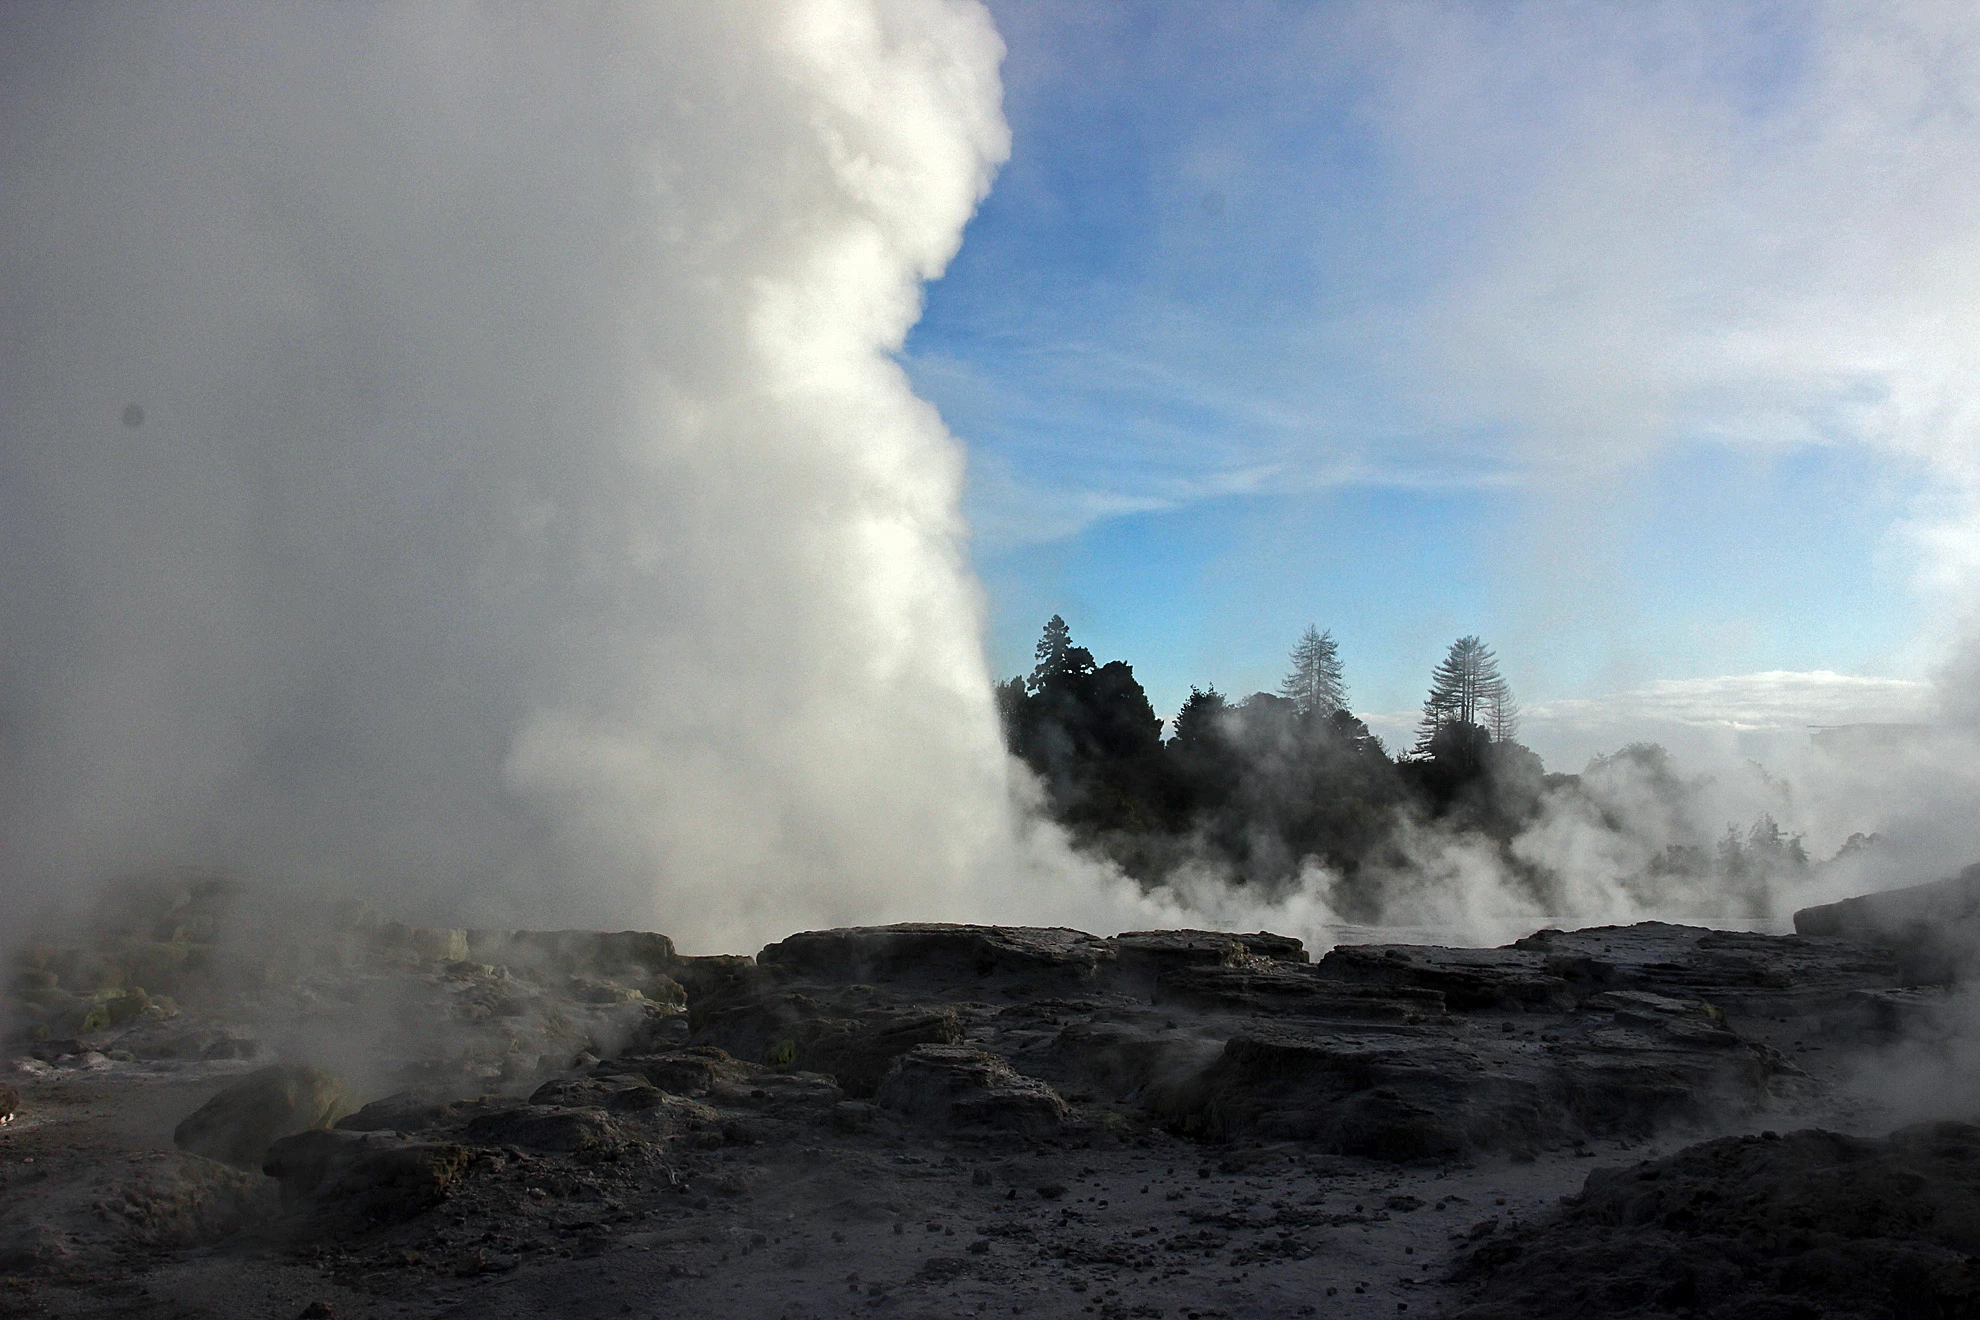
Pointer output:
456, 450
455, 454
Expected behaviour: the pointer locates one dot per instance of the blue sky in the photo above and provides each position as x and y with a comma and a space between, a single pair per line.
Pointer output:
1631, 338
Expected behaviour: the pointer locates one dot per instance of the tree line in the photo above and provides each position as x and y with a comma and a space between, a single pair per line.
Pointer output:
1256, 787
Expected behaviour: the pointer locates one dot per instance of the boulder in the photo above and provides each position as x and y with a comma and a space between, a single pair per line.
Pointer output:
957, 1088
615, 1095
239, 1124
624, 1097
338, 1181
403, 1111
542, 1127
170, 1039
694, 1070
1812, 1223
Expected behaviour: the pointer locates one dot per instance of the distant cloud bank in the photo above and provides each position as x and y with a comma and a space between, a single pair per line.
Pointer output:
1746, 714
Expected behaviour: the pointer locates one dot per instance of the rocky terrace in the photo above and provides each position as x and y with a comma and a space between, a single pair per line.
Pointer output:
221, 1110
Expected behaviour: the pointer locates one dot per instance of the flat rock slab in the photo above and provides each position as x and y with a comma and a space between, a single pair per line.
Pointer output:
1271, 989
1739, 971
1467, 979
939, 951
1933, 928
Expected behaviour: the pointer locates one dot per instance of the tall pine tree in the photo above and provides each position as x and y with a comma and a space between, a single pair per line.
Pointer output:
1060, 663
1315, 685
1466, 693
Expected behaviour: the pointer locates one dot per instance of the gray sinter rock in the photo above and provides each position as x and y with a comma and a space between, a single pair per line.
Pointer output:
613, 1094
1742, 973
1467, 979
697, 1070
853, 1078
1273, 989
938, 952
1932, 929
1810, 1224
542, 1127
850, 1040
1392, 1051
1143, 956
179, 1200
402, 1111
857, 1053
957, 1088
1623, 1064
237, 1125
338, 1182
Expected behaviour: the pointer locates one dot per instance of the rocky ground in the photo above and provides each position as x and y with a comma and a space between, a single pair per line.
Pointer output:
219, 1109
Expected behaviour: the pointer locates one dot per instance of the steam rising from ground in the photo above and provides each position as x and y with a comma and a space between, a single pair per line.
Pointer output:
454, 452
454, 455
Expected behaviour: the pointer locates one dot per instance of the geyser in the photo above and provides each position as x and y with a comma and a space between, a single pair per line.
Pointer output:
522, 509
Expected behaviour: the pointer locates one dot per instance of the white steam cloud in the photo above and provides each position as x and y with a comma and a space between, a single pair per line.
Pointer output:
453, 452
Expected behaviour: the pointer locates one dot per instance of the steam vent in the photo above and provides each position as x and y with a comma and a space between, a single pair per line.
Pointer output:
219, 1104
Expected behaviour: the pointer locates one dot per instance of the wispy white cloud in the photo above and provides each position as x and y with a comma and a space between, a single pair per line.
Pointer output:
1755, 227
1564, 239
1707, 717
1776, 699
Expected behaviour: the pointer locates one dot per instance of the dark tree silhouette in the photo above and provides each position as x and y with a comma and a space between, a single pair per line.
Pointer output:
1093, 738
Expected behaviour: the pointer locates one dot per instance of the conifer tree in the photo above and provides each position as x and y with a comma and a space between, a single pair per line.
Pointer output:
1502, 714
1202, 718
1315, 685
1466, 691
1059, 661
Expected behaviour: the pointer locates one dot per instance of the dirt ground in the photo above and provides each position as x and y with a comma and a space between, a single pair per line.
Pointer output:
885, 1223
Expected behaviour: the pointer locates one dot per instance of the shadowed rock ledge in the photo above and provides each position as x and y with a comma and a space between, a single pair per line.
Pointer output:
472, 1086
